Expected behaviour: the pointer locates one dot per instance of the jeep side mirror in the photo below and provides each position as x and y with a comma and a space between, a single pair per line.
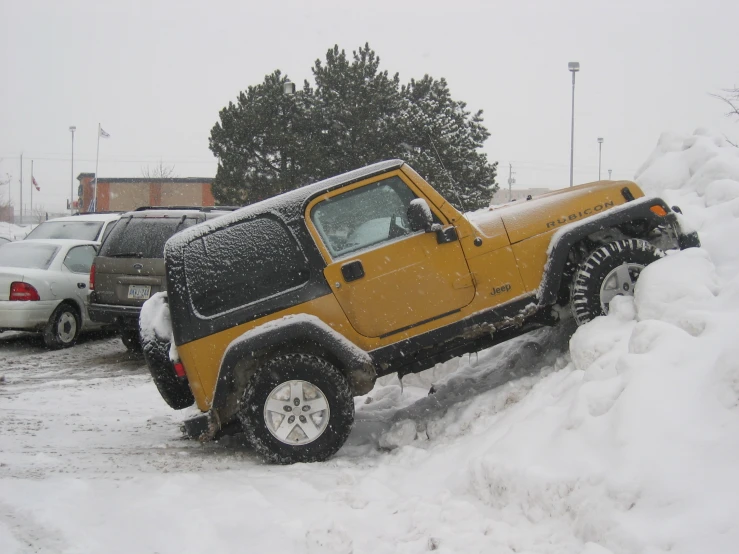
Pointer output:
419, 215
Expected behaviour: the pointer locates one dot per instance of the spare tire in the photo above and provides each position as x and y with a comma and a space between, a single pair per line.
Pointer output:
175, 390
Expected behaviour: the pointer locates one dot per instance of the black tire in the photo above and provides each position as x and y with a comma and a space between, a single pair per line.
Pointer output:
174, 390
321, 376
588, 300
63, 328
130, 339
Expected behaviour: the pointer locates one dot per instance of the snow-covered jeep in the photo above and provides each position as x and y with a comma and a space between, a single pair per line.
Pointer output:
283, 311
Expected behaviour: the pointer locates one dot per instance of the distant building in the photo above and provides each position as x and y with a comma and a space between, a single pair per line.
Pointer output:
120, 194
502, 195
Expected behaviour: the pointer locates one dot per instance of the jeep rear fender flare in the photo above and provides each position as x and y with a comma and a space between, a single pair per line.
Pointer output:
294, 331
566, 237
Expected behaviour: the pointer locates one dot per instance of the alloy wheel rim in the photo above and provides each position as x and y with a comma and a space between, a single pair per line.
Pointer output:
619, 282
296, 412
66, 327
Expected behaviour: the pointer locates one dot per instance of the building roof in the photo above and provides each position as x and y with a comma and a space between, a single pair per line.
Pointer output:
146, 179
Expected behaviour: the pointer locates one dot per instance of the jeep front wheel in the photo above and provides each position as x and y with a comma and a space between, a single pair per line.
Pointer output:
297, 408
609, 271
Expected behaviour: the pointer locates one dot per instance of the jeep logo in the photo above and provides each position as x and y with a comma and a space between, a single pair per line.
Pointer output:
501, 289
586, 212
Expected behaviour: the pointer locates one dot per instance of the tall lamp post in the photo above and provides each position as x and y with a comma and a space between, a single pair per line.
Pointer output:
600, 151
72, 129
574, 67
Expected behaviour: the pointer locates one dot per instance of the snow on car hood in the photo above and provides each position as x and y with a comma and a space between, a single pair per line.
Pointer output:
528, 218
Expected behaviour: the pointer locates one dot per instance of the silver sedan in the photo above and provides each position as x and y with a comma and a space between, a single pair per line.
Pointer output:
43, 288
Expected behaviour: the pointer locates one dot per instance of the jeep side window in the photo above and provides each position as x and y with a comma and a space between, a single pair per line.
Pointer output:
239, 265
364, 217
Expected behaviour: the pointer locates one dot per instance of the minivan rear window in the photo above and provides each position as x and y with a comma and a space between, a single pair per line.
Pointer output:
143, 237
243, 264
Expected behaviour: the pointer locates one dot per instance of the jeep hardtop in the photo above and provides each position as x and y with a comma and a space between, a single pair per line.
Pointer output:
283, 311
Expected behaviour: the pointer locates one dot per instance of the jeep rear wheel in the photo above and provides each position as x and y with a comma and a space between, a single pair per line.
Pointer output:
297, 408
609, 271
174, 390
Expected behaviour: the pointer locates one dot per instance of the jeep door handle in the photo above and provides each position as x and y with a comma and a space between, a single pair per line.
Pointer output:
352, 271
81, 285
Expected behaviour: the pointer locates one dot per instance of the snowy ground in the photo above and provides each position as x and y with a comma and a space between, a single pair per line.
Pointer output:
623, 439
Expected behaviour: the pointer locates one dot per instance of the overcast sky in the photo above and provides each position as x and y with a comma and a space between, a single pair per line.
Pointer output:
155, 74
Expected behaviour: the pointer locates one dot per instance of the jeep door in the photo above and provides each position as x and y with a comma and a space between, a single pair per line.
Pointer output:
386, 277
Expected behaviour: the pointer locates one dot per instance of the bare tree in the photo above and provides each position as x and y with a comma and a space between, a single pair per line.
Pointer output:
730, 97
160, 171
39, 214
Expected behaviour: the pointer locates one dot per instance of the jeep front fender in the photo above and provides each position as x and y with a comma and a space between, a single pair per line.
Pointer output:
566, 237
294, 331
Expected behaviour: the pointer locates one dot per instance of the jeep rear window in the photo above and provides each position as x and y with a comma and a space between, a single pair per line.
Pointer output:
143, 237
239, 265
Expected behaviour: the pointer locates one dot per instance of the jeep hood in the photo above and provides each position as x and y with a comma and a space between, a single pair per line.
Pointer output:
523, 219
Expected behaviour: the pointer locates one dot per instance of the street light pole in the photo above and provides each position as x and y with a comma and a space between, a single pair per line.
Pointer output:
600, 150
574, 67
72, 129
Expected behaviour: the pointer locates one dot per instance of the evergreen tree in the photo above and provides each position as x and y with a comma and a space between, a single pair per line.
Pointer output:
269, 142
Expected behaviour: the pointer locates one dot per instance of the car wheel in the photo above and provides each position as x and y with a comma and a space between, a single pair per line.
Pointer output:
130, 339
63, 328
174, 390
609, 271
297, 408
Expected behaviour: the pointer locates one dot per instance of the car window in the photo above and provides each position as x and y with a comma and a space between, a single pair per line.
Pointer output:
108, 230
363, 217
28, 256
82, 230
243, 264
79, 259
143, 237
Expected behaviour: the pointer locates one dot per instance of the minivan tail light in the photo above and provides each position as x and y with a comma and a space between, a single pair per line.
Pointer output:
179, 369
92, 277
23, 291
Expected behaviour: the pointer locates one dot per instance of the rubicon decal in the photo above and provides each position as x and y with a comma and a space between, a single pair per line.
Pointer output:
578, 215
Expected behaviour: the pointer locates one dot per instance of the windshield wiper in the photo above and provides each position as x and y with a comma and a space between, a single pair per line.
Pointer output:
127, 255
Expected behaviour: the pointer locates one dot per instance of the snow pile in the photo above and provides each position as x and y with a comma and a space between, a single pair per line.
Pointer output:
15, 232
630, 442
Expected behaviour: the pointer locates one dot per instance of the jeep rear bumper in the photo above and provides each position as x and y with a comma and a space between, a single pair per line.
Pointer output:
125, 317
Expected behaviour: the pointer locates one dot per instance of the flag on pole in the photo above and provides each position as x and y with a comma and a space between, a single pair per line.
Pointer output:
103, 133
35, 184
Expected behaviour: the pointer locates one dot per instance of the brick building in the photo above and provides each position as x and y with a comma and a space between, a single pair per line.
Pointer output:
122, 193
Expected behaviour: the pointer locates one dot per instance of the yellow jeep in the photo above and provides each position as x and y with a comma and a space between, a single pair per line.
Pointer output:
285, 310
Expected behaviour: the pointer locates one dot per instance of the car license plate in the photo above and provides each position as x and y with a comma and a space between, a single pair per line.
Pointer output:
139, 292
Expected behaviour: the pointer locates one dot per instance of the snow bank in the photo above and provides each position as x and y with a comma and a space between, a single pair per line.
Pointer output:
630, 441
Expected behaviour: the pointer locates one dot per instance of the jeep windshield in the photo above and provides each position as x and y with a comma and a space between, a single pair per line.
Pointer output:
82, 230
143, 237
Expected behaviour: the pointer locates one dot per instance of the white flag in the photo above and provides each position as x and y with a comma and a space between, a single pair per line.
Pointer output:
103, 133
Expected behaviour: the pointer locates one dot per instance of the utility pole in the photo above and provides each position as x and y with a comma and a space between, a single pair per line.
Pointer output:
32, 185
511, 181
72, 129
600, 151
609, 174
21, 182
574, 67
